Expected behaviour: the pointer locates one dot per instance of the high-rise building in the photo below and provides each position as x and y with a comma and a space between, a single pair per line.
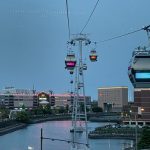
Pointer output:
112, 99
142, 100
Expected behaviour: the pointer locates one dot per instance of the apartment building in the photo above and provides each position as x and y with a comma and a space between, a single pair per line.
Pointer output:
112, 99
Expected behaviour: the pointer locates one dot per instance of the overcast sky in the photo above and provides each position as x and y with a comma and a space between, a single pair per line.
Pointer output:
34, 33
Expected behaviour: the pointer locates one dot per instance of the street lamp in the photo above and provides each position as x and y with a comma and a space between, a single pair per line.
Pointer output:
0, 116
135, 129
140, 110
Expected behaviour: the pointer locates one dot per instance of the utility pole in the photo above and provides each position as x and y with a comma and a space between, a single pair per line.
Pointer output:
41, 139
136, 132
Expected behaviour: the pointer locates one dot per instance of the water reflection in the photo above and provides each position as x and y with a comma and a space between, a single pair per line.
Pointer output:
30, 136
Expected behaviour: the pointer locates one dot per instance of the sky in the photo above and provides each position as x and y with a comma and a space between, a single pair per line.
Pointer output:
34, 33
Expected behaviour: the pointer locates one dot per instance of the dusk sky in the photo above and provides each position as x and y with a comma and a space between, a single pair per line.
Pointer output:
34, 33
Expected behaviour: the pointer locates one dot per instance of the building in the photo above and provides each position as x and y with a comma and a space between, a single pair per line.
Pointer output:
142, 100
15, 98
62, 100
139, 112
112, 99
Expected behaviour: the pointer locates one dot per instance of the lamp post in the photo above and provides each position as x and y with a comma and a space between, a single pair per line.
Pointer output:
135, 133
140, 110
0, 116
135, 129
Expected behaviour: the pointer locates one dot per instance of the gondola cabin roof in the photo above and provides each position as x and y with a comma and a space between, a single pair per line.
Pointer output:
139, 69
140, 60
70, 57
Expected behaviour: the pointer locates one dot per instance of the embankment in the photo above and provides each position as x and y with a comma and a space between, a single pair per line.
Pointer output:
12, 128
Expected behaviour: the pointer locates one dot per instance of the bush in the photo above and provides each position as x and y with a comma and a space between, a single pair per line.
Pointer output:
97, 109
22, 117
144, 142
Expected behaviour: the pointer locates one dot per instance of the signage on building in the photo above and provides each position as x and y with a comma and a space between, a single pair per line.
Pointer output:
43, 96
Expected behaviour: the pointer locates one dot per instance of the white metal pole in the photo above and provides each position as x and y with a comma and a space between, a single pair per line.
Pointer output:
135, 132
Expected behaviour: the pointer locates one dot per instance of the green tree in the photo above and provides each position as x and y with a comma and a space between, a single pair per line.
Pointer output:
38, 110
61, 110
47, 109
82, 107
67, 108
22, 117
94, 104
97, 109
144, 142
4, 112
23, 107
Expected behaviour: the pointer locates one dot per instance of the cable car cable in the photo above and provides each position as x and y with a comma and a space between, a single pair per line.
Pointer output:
116, 37
89, 17
68, 22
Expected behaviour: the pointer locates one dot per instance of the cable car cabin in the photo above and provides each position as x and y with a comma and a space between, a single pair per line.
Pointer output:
93, 55
139, 69
70, 62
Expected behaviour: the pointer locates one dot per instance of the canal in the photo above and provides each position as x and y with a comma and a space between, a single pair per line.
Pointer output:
30, 136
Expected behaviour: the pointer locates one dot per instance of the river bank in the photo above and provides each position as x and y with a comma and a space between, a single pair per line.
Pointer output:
115, 133
112, 136
52, 118
12, 128
12, 125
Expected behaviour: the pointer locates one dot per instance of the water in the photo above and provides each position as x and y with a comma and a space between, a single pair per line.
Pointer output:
30, 136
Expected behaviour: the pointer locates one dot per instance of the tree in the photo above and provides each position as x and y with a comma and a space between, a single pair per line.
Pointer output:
47, 109
82, 107
67, 108
144, 142
4, 112
38, 110
97, 109
61, 110
22, 116
23, 107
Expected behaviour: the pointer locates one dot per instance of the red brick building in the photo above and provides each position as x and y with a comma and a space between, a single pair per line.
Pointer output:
142, 100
